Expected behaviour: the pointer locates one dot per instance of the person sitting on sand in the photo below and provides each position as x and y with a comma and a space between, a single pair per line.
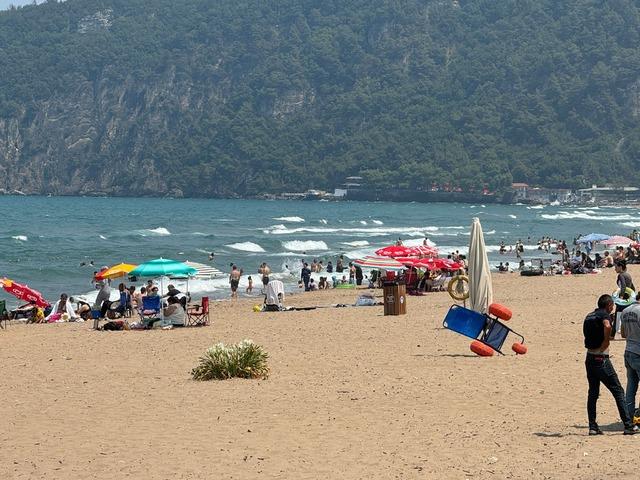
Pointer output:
23, 311
174, 314
323, 284
607, 260
124, 302
62, 311
312, 285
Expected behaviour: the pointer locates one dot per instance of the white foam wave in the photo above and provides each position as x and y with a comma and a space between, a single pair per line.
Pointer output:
490, 232
357, 243
290, 219
372, 231
583, 215
199, 234
102, 237
323, 221
377, 222
21, 238
246, 247
512, 216
157, 231
631, 224
305, 245
535, 207
363, 222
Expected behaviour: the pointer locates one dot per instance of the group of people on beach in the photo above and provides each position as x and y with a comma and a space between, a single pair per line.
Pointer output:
620, 314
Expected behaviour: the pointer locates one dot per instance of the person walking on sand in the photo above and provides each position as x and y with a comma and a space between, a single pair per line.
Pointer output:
630, 330
597, 334
234, 281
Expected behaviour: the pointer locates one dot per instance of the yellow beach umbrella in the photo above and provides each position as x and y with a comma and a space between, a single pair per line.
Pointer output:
119, 270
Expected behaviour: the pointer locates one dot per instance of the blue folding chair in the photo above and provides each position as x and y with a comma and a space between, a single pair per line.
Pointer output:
150, 307
487, 330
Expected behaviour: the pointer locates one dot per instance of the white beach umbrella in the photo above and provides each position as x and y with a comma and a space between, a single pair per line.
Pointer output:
480, 287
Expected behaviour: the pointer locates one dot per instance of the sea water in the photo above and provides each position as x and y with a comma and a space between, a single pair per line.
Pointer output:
45, 240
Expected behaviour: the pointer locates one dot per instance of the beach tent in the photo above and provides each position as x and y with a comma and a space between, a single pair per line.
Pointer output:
480, 286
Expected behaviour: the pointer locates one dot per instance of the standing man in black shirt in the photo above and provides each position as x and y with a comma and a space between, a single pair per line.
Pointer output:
597, 334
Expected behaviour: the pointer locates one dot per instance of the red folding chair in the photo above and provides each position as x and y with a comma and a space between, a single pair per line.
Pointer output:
198, 315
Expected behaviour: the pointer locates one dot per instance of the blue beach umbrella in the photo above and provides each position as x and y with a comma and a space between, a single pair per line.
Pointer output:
593, 237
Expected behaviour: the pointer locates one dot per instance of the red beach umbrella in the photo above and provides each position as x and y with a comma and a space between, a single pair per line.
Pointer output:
23, 292
402, 251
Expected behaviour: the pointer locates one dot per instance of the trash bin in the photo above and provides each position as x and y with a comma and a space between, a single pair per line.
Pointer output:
395, 298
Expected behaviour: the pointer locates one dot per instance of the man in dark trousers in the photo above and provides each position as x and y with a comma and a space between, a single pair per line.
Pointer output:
597, 334
305, 276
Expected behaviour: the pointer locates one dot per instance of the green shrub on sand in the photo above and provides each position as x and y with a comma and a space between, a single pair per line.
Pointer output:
243, 360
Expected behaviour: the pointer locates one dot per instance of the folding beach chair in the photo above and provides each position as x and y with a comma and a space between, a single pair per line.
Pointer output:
4, 314
198, 315
150, 308
487, 330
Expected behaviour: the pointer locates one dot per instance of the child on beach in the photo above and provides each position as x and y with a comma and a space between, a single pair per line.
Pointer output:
250, 286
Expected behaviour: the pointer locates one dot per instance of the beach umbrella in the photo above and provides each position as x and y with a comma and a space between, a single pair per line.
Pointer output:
115, 271
431, 263
204, 271
162, 267
23, 292
593, 237
480, 287
404, 251
382, 263
617, 240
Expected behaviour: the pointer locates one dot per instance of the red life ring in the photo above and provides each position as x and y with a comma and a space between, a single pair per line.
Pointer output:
500, 311
481, 349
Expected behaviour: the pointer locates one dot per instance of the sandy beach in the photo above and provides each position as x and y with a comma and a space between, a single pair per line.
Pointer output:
352, 394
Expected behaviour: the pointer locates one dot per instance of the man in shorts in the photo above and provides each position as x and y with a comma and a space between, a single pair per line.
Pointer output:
234, 281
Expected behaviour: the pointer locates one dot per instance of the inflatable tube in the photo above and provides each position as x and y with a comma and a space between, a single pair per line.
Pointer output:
519, 348
621, 301
457, 289
346, 285
481, 349
531, 273
500, 311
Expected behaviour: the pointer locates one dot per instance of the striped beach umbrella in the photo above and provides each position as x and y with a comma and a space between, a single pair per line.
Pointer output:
383, 263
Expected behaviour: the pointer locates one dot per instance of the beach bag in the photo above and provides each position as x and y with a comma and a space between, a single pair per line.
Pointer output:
113, 326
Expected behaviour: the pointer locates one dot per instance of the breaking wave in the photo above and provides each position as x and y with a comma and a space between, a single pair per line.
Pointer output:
21, 238
585, 215
290, 219
246, 247
304, 245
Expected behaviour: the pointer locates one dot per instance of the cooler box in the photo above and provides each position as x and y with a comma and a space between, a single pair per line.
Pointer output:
395, 298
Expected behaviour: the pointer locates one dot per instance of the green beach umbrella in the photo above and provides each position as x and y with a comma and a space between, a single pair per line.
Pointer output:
162, 267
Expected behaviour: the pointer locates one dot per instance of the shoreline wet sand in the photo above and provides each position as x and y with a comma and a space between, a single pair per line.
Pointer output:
352, 394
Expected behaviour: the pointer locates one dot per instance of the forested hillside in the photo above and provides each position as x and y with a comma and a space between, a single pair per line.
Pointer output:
240, 97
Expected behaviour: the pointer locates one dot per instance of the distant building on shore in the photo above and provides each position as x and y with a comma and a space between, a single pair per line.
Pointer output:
525, 193
608, 194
